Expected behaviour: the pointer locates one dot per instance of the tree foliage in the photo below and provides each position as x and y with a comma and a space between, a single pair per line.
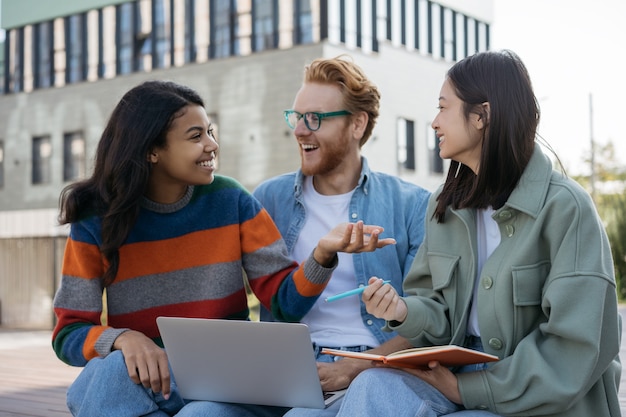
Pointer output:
610, 200
612, 209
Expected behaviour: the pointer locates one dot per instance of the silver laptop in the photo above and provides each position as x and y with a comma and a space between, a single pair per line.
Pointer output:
249, 362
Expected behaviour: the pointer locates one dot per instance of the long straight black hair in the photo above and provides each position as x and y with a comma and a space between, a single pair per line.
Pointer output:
502, 80
138, 124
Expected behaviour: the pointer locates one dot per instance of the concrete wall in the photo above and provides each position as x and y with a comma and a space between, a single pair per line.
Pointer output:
30, 271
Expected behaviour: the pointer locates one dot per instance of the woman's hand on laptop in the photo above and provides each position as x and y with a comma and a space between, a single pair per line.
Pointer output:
146, 362
335, 376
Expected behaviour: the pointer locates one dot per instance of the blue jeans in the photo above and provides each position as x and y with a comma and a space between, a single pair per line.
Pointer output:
332, 409
104, 389
380, 392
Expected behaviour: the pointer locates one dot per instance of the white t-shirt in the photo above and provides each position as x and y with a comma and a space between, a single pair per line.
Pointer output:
488, 235
338, 323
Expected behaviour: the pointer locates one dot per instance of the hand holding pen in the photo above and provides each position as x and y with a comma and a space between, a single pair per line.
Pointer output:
355, 291
383, 301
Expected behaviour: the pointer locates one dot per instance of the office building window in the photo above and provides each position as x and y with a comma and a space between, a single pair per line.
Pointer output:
43, 64
3, 59
41, 160
303, 22
73, 156
1, 164
14, 81
224, 26
75, 48
406, 144
265, 24
436, 163
387, 18
125, 37
143, 36
190, 31
161, 34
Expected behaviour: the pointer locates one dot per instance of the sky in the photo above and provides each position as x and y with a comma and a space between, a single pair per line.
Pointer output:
574, 52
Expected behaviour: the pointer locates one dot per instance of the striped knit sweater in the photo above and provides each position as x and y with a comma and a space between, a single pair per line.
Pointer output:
184, 259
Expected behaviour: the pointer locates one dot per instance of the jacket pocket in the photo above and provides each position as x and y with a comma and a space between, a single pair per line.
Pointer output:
442, 267
528, 281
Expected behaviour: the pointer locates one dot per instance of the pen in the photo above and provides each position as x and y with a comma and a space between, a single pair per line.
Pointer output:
349, 293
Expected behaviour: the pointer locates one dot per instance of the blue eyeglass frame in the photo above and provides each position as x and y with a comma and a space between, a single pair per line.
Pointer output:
320, 116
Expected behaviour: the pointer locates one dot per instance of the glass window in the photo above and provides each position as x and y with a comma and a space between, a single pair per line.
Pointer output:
43, 51
436, 163
2, 56
73, 156
190, 31
74, 45
15, 77
406, 144
162, 33
125, 37
264, 30
41, 161
303, 22
142, 38
1, 164
224, 29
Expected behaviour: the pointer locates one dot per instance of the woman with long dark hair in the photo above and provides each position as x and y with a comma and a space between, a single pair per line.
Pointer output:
515, 262
165, 236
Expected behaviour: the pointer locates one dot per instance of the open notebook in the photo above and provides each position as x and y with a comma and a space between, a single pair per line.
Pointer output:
267, 363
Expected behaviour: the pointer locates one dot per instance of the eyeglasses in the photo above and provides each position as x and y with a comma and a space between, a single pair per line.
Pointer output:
312, 120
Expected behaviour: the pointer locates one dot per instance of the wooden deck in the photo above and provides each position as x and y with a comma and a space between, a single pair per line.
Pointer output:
33, 381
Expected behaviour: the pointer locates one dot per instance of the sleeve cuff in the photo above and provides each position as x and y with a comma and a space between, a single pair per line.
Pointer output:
317, 273
104, 344
475, 392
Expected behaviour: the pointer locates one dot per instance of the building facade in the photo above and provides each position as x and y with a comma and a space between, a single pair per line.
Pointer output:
65, 67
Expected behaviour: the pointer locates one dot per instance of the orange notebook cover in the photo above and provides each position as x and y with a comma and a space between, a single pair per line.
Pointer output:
447, 355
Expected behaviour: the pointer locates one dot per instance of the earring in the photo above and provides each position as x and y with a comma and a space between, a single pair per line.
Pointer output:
458, 168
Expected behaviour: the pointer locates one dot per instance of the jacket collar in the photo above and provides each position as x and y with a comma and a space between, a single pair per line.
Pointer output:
532, 189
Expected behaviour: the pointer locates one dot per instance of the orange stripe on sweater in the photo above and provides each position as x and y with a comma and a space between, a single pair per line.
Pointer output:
89, 350
258, 232
191, 250
306, 287
82, 260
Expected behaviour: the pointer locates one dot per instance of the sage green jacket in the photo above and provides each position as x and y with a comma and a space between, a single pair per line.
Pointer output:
547, 304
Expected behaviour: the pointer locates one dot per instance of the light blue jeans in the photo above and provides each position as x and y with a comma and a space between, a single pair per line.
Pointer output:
104, 389
332, 409
390, 392
378, 392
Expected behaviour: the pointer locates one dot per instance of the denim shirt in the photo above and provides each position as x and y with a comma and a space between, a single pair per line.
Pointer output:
379, 199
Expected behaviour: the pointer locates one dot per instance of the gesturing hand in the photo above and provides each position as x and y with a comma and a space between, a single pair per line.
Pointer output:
350, 238
146, 362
